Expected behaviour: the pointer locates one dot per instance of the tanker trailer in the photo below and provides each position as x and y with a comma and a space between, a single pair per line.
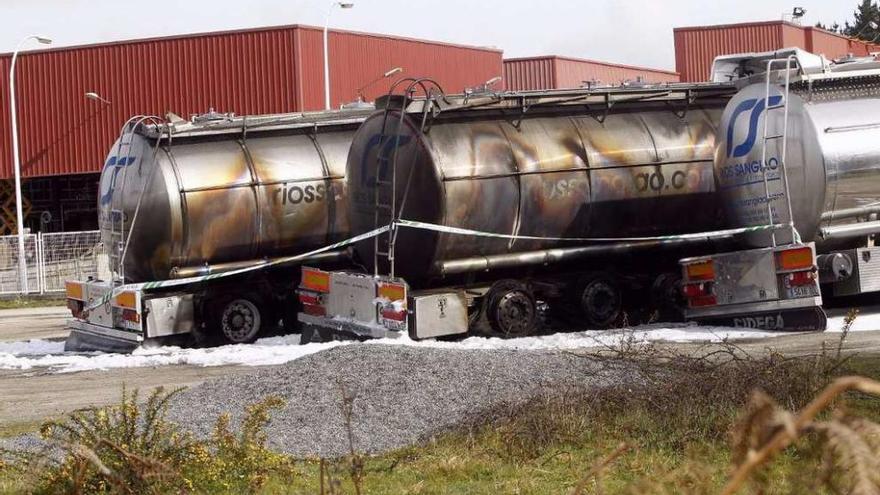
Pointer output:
185, 202
499, 203
799, 150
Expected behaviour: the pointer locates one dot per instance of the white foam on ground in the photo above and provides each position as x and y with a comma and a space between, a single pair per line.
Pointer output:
50, 355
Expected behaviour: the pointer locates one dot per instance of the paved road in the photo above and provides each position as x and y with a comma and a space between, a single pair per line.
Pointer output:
33, 323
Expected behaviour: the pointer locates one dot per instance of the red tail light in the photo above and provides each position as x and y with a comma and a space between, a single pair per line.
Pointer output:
798, 279
75, 307
390, 313
700, 294
131, 315
312, 302
794, 259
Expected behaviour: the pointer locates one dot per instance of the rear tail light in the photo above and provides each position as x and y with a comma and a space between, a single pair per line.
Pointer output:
131, 315
798, 279
315, 280
74, 290
125, 300
391, 312
312, 302
795, 259
75, 307
703, 270
700, 294
391, 291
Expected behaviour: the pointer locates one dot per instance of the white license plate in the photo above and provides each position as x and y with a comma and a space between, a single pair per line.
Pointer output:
802, 291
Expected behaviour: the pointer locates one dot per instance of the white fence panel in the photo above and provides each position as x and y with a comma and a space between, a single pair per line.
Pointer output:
51, 259
69, 256
10, 278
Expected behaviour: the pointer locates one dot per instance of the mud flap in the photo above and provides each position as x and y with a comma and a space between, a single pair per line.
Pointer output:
792, 320
84, 341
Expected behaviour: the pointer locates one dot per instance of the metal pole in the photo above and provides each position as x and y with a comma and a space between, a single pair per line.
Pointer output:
343, 5
16, 163
327, 60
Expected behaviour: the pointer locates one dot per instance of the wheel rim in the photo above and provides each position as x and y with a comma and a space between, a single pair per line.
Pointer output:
601, 302
240, 321
515, 314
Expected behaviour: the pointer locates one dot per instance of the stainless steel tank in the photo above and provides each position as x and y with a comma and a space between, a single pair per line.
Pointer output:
575, 168
224, 192
832, 156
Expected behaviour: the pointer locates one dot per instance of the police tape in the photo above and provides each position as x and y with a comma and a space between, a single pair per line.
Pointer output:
146, 286
665, 238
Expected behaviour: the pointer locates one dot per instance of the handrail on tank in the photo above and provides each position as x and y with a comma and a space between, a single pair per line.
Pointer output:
132, 122
431, 90
788, 67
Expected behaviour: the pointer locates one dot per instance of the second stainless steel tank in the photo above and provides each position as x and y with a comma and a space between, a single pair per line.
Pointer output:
638, 167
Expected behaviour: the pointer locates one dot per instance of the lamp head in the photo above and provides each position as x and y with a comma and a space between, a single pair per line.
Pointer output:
392, 72
44, 40
345, 5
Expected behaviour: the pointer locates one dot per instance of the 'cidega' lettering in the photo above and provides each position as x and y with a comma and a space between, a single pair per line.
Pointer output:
770, 322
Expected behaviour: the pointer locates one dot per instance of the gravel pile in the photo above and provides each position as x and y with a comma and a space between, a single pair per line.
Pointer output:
403, 395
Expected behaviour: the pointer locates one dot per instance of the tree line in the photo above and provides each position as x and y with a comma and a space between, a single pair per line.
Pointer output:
865, 24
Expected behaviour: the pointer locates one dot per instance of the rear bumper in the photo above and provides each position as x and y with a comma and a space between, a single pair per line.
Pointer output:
348, 327
794, 315
86, 337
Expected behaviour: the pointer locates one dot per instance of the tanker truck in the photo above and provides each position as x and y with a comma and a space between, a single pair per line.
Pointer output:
799, 149
499, 206
740, 200
183, 204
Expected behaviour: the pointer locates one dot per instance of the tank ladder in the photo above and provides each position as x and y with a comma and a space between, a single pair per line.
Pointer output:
788, 64
385, 204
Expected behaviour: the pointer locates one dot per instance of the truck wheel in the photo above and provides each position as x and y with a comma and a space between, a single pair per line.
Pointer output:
511, 309
239, 320
600, 300
666, 297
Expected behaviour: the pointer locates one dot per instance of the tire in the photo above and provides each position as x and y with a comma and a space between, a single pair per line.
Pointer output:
600, 300
666, 297
239, 319
511, 310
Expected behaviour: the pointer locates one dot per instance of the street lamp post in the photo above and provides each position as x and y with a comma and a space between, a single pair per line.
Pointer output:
16, 162
341, 5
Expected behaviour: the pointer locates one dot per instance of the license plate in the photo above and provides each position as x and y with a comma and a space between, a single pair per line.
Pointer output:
802, 291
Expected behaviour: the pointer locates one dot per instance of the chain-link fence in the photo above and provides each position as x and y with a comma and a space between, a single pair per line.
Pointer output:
50, 260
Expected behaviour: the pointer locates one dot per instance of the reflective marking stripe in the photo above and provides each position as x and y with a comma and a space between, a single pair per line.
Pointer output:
698, 235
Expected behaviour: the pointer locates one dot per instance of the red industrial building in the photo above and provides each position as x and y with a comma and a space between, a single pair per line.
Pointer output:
64, 136
696, 47
555, 72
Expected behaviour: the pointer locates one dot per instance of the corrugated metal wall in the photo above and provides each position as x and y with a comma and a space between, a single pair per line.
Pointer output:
553, 72
570, 73
247, 72
521, 74
697, 47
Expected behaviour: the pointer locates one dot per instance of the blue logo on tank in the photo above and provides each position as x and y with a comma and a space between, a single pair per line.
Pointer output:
118, 163
757, 107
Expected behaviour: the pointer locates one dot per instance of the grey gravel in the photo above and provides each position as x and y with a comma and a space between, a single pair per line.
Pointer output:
403, 395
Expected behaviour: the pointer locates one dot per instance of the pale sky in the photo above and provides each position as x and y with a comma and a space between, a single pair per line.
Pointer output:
637, 32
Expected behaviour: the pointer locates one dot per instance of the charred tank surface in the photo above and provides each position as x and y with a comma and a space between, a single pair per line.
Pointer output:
832, 156
224, 192
613, 162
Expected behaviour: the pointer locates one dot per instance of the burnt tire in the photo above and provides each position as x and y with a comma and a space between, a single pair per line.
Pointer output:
511, 310
600, 300
237, 319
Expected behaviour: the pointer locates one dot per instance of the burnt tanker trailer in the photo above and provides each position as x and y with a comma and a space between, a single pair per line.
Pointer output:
190, 199
503, 199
